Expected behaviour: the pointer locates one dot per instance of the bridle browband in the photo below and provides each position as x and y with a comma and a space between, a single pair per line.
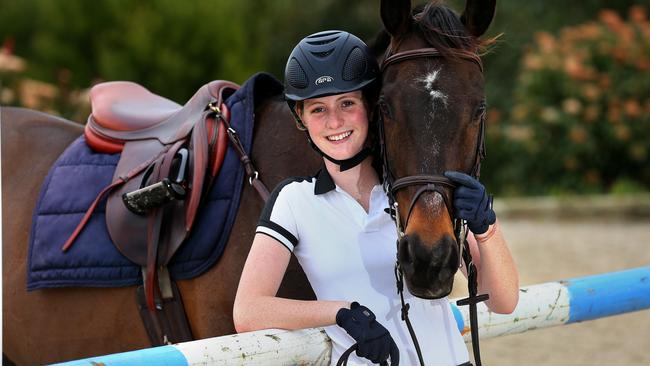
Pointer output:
424, 52
432, 183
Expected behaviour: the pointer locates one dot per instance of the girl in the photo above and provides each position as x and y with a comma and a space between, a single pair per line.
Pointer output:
335, 224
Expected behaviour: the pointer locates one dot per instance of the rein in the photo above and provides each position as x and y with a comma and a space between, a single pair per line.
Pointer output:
432, 183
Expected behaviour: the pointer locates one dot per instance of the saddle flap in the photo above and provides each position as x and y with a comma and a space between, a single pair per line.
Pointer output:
129, 231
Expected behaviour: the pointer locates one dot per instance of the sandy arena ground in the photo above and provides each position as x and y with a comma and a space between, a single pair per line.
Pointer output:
548, 249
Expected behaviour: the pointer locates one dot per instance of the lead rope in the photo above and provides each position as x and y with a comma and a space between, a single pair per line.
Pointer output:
399, 278
472, 299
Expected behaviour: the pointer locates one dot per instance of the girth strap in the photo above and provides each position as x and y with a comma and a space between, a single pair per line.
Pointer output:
168, 323
154, 224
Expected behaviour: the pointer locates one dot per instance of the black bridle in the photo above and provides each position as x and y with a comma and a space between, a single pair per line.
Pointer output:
432, 183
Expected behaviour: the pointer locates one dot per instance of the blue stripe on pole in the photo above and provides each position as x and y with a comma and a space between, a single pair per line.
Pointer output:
460, 321
608, 294
163, 356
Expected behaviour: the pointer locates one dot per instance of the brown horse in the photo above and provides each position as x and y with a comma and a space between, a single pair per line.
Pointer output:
52, 325
433, 109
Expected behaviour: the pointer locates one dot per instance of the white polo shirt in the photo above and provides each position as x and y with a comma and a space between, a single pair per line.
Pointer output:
349, 255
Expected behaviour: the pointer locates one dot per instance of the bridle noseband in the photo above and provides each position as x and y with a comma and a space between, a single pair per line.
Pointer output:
432, 183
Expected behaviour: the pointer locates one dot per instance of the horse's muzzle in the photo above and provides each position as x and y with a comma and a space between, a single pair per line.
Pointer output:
428, 269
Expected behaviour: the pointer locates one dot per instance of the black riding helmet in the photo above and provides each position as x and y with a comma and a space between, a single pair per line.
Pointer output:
327, 63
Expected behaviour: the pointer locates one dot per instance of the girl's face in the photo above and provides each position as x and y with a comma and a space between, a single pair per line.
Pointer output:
337, 124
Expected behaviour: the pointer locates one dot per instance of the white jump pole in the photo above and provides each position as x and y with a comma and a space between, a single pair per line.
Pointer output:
540, 306
564, 302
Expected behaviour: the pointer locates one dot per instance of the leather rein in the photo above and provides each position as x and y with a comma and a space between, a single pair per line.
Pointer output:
432, 183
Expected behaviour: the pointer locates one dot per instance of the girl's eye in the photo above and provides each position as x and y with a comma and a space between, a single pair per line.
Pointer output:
348, 103
317, 110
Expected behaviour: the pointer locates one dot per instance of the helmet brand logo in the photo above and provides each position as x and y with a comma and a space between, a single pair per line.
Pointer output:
324, 79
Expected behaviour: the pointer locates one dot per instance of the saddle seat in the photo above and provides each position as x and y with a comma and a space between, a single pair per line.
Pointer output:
125, 111
127, 106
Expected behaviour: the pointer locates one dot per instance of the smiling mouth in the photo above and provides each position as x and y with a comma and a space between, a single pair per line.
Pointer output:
339, 136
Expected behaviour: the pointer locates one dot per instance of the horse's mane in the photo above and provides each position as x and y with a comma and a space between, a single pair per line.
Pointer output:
442, 28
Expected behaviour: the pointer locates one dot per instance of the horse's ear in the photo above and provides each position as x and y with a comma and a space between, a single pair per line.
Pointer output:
396, 16
477, 16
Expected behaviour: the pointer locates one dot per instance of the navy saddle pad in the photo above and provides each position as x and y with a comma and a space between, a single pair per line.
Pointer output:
93, 261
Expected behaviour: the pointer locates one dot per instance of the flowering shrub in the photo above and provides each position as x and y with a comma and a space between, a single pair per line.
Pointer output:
16, 89
582, 111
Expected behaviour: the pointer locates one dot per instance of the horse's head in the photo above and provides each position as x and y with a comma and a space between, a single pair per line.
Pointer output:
432, 106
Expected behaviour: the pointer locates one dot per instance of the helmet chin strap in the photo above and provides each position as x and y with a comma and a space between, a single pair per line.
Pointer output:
346, 163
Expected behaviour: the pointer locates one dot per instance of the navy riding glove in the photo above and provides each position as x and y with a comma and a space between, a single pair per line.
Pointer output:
373, 340
471, 202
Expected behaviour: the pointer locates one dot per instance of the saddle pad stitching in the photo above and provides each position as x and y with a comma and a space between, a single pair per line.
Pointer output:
95, 266
83, 164
98, 212
73, 283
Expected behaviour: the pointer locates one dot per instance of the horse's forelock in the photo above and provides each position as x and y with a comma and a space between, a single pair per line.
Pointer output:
442, 28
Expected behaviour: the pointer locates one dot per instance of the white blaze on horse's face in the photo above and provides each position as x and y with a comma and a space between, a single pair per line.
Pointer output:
429, 81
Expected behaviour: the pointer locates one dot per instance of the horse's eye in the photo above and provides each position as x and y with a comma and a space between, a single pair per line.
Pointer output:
383, 107
480, 111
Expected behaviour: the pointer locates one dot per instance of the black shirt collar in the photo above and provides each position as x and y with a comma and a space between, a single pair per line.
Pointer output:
324, 182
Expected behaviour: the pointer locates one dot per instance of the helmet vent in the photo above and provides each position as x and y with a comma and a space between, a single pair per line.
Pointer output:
355, 65
321, 42
296, 75
323, 54
322, 38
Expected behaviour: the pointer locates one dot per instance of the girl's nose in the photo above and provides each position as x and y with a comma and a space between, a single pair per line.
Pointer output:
335, 121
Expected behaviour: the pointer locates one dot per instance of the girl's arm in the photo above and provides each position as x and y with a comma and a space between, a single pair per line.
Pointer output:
497, 272
256, 304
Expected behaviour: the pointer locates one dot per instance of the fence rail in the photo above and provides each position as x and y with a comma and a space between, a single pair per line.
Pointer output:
540, 306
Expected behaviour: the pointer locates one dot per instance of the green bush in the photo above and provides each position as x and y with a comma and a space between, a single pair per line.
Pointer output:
581, 118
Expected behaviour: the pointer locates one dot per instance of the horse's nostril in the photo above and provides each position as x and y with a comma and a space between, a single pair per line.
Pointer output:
404, 251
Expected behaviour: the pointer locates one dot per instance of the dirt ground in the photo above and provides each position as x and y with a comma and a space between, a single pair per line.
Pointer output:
548, 249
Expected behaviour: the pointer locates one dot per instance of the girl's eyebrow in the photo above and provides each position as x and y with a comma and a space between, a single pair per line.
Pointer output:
313, 103
348, 96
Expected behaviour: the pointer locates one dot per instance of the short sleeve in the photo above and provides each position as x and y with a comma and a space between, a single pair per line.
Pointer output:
278, 220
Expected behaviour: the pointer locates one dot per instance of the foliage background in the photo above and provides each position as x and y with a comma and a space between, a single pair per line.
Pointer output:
174, 47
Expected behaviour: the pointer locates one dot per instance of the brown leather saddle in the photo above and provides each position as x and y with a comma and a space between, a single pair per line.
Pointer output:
152, 130
170, 154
